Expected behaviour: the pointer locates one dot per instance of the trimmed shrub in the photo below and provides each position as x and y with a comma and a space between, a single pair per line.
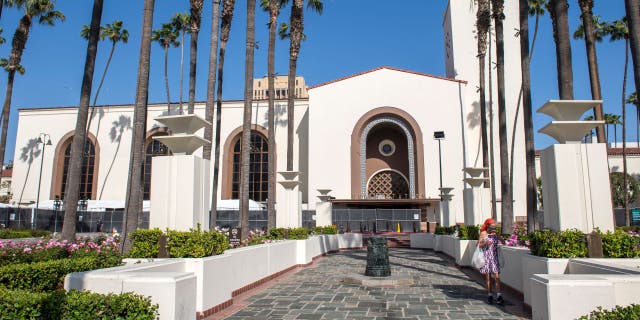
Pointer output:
469, 232
196, 243
316, 231
89, 306
17, 234
58, 305
444, 230
23, 304
145, 243
278, 233
620, 245
298, 234
563, 244
631, 312
49, 275
330, 230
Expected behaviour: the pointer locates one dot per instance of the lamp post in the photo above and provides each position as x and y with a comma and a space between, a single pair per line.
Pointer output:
439, 135
45, 139
56, 207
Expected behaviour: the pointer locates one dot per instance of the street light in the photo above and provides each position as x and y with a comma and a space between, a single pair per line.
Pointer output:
56, 207
439, 135
45, 139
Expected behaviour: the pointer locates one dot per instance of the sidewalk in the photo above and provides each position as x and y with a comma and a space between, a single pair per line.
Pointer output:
440, 291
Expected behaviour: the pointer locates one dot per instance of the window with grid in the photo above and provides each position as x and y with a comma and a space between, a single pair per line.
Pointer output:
88, 167
258, 168
154, 148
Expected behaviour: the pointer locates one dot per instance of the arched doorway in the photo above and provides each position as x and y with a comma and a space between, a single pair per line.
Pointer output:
258, 166
388, 184
88, 173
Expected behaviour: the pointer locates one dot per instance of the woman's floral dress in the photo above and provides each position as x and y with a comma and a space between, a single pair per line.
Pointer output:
491, 264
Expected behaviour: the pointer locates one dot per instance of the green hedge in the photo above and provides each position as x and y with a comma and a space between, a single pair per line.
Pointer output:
444, 230
469, 232
196, 243
631, 312
58, 305
16, 234
278, 233
330, 230
17, 255
298, 234
619, 244
145, 243
49, 275
563, 244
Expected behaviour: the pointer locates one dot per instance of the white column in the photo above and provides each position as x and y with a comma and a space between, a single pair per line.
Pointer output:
324, 208
289, 213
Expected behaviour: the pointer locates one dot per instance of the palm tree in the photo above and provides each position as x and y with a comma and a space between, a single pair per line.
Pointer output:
273, 7
195, 16
133, 202
592, 31
589, 137
619, 30
225, 28
615, 121
211, 86
532, 197
72, 191
45, 11
115, 33
245, 145
180, 22
506, 189
295, 38
483, 23
633, 18
166, 37
633, 99
558, 11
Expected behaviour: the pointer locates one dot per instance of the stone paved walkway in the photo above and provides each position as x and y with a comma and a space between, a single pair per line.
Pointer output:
440, 291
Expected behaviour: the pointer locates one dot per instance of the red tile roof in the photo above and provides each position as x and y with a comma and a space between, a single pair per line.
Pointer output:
612, 151
6, 173
389, 68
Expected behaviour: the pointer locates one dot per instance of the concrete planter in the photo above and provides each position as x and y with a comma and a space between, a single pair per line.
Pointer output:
183, 287
539, 265
449, 245
463, 251
437, 245
511, 266
422, 240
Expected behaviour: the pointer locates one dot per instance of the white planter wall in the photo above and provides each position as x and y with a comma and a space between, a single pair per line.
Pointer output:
538, 265
463, 251
422, 240
182, 287
448, 245
511, 266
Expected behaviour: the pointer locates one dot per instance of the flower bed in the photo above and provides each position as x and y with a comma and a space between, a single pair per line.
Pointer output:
12, 252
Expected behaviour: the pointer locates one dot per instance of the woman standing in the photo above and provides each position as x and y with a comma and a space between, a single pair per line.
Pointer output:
488, 243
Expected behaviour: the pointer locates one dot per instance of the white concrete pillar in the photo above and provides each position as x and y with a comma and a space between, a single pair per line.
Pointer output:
289, 212
180, 196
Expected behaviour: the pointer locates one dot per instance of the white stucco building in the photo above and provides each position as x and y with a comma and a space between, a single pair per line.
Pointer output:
368, 137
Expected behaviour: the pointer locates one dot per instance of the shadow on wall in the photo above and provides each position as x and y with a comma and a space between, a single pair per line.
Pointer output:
474, 120
100, 115
280, 116
117, 131
27, 154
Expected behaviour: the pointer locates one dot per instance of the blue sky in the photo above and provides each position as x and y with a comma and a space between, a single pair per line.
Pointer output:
349, 37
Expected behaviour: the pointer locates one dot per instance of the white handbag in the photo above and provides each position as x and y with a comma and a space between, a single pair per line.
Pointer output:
478, 258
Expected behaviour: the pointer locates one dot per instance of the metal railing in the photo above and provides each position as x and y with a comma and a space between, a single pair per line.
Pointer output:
51, 220
376, 220
257, 219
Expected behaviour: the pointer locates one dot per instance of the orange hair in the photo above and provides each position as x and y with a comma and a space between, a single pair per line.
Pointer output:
486, 224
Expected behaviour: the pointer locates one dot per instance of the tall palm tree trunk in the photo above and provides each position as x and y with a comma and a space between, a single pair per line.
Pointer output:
274, 10
133, 203
72, 191
532, 197
211, 87
104, 75
166, 77
492, 170
506, 205
225, 28
18, 44
633, 20
558, 11
246, 124
195, 19
294, 48
624, 132
483, 24
586, 6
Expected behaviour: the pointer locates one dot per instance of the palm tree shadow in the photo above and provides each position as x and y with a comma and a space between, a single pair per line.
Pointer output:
100, 114
115, 135
28, 153
280, 119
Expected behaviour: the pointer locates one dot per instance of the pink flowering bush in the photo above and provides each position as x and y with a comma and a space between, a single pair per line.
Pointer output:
519, 236
12, 252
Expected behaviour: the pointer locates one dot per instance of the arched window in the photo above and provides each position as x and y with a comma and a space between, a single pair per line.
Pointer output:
88, 174
154, 148
258, 168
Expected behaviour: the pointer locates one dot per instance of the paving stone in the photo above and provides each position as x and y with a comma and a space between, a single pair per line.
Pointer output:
440, 291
